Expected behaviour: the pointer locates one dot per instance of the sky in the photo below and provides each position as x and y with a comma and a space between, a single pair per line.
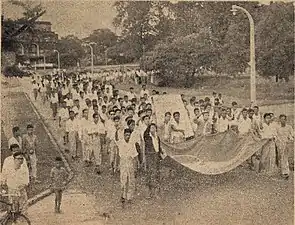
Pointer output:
75, 17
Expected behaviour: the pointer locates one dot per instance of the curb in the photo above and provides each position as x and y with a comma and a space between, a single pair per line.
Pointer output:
47, 192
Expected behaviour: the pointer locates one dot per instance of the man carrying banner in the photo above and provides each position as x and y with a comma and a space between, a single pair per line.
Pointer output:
178, 131
285, 133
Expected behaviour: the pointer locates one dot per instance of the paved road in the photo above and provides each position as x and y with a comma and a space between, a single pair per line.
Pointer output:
17, 111
238, 197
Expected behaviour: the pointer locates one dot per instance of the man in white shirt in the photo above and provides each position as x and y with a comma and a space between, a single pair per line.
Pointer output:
268, 153
195, 119
128, 161
77, 109
166, 127
222, 122
30, 148
35, 89
54, 103
144, 91
131, 94
114, 134
15, 175
178, 129
285, 134
244, 123
84, 125
96, 130
71, 129
257, 117
235, 113
63, 116
16, 139
126, 101
212, 99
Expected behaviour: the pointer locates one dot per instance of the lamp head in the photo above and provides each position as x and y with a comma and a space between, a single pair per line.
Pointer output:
234, 10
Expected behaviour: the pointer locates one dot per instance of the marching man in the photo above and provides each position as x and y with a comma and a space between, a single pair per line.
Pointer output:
128, 162
30, 148
71, 132
84, 125
97, 129
285, 134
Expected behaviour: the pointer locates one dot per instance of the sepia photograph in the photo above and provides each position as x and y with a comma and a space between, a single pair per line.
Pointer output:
147, 112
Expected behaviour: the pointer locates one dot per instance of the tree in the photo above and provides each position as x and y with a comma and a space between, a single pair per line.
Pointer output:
178, 61
275, 41
138, 21
103, 38
71, 50
30, 8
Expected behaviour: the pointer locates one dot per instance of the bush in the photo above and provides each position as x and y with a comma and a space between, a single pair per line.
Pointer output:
14, 71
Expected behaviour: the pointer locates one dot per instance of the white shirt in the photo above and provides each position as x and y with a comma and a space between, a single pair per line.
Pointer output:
126, 150
84, 126
65, 91
142, 92
13, 140
268, 131
96, 128
76, 95
257, 118
135, 136
69, 102
35, 86
244, 125
63, 113
285, 133
131, 95
111, 132
14, 178
222, 124
71, 125
54, 98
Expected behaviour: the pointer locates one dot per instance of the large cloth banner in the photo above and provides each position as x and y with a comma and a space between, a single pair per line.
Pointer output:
172, 103
215, 154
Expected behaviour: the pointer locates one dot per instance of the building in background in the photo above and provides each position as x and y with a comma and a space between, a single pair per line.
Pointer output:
34, 44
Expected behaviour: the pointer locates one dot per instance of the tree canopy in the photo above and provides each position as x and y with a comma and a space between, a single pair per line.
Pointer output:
168, 33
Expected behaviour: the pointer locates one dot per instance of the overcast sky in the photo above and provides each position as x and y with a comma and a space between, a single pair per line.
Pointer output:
71, 16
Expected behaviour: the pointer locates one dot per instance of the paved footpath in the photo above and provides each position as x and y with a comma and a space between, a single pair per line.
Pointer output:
238, 197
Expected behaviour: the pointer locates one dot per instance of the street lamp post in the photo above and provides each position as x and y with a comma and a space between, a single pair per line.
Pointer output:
235, 8
58, 59
44, 62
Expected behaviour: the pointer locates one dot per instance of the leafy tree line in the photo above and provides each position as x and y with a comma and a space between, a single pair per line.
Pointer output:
179, 39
